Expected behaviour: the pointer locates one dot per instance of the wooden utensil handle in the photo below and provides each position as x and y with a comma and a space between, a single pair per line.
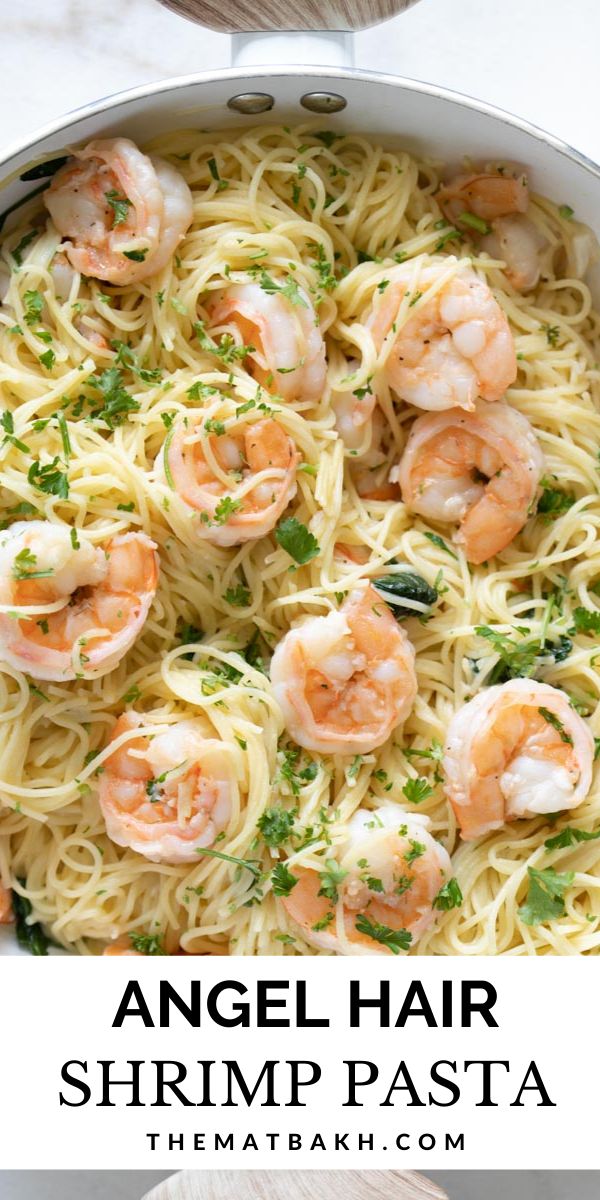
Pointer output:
271, 16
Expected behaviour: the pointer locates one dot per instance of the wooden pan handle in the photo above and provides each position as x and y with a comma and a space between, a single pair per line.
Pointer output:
272, 16
221, 1185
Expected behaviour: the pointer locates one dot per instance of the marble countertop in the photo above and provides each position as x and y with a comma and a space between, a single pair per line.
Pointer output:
537, 59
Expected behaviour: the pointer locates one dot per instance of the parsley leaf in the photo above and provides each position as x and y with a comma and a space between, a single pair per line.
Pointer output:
552, 719
238, 596
120, 206
553, 502
552, 334
7, 422
276, 825
586, 621
225, 509
49, 479
438, 541
297, 540
23, 563
289, 289
449, 896
282, 880
227, 350
147, 943
116, 402
393, 939
33, 307
417, 790
570, 836
331, 878
17, 253
545, 898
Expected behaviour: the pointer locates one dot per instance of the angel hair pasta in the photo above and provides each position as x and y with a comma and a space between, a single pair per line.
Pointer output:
299, 569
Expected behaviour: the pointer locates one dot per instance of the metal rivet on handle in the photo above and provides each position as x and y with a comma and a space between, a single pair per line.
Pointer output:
251, 102
323, 102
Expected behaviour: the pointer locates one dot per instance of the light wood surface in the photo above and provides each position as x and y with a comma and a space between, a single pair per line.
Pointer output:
296, 1185
248, 16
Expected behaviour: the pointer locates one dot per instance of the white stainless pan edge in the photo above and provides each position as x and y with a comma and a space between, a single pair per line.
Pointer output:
428, 120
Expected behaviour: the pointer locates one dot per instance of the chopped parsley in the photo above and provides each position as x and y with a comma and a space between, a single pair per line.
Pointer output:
276, 825
147, 943
33, 307
136, 255
417, 850
553, 502
570, 836
546, 896
331, 878
417, 790
393, 939
248, 864
552, 334
566, 211
24, 566
48, 359
115, 402
297, 540
17, 253
328, 137
289, 772
438, 541
434, 752
227, 349
324, 269
7, 422
474, 222
238, 596
120, 206
214, 170
552, 719
520, 659
586, 621
49, 479
225, 509
449, 896
282, 880
289, 289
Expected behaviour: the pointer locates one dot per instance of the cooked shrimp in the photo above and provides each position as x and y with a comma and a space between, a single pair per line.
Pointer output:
69, 608
515, 750
123, 214
519, 243
345, 681
288, 355
6, 909
354, 411
394, 869
454, 347
498, 200
480, 469
238, 482
166, 796
486, 195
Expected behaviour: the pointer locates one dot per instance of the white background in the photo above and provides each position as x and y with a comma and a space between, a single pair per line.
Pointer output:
547, 1010
536, 58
